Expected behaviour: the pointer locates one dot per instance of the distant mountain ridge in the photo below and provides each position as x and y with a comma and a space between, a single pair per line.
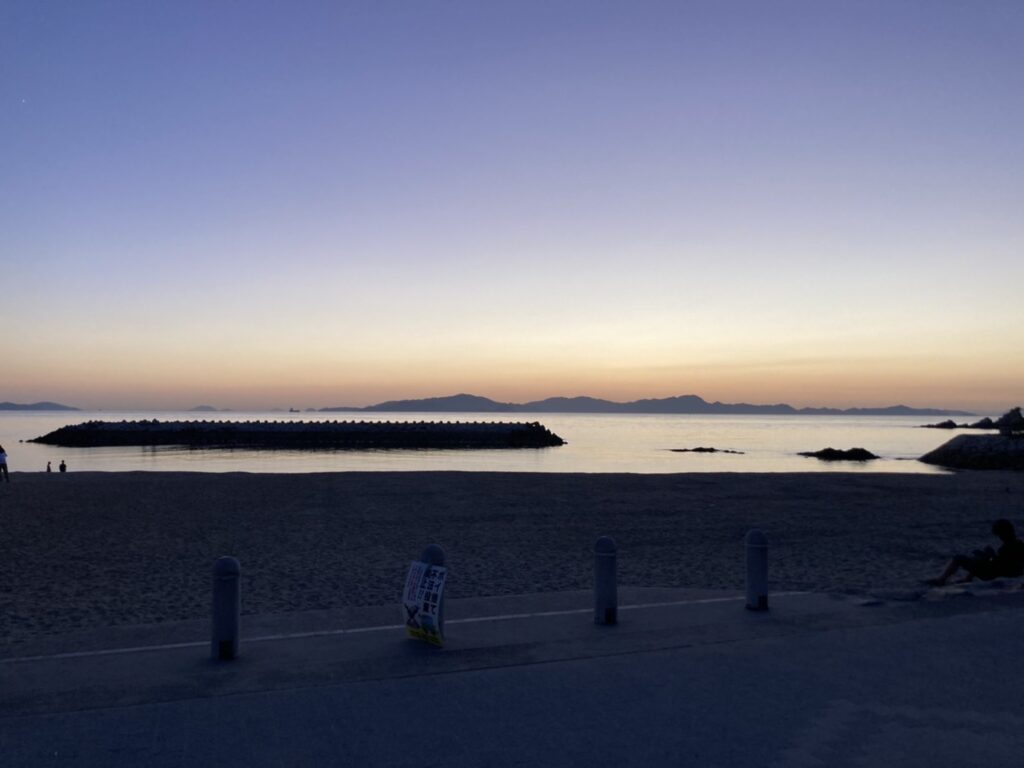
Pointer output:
44, 406
465, 403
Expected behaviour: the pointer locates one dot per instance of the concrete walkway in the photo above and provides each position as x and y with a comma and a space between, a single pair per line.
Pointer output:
685, 679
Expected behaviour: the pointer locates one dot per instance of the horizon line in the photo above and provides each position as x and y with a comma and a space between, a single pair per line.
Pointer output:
205, 406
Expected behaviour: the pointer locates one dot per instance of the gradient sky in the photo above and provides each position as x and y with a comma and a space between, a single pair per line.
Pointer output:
256, 204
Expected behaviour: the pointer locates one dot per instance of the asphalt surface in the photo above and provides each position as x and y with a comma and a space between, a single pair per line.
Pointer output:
685, 679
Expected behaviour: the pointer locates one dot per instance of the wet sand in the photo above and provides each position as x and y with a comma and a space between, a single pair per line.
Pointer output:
86, 550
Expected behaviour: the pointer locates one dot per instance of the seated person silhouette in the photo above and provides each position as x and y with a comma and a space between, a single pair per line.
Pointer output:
987, 564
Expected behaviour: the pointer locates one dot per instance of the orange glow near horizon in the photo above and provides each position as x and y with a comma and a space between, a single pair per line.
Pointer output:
219, 361
241, 384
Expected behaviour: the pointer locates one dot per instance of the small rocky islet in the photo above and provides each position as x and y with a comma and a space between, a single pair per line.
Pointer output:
704, 449
837, 454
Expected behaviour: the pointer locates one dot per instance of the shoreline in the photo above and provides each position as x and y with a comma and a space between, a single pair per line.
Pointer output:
94, 549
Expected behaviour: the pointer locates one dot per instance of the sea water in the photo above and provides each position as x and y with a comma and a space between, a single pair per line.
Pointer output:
595, 443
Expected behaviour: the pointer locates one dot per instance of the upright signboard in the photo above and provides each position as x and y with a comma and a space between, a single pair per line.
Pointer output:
424, 591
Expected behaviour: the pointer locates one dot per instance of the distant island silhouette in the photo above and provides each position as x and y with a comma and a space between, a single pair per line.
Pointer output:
465, 403
680, 404
44, 406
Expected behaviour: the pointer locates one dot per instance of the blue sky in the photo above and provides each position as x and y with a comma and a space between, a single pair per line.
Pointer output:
261, 204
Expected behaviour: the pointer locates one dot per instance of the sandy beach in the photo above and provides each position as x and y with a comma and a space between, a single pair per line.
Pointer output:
87, 550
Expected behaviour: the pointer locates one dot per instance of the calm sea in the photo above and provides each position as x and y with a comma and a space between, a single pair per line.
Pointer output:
596, 443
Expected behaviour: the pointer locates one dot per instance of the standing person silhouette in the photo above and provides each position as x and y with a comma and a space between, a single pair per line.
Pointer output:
48, 468
63, 467
3, 464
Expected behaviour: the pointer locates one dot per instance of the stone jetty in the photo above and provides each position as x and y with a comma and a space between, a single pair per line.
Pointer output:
308, 435
979, 452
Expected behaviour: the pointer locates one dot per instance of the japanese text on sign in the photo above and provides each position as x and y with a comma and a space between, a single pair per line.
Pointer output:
424, 587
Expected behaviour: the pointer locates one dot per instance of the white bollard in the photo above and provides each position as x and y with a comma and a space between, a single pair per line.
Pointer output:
227, 608
757, 571
606, 597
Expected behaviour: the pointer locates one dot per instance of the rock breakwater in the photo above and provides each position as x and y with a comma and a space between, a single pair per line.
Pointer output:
307, 435
979, 452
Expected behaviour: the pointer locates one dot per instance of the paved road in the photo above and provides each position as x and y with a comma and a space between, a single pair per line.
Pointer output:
819, 681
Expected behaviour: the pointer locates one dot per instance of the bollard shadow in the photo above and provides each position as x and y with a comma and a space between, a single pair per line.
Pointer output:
414, 648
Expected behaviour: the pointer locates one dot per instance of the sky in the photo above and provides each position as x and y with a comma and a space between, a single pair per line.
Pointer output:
309, 204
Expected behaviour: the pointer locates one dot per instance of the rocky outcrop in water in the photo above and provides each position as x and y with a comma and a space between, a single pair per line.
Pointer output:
836, 454
1010, 423
947, 424
985, 423
979, 452
702, 449
1011, 420
313, 435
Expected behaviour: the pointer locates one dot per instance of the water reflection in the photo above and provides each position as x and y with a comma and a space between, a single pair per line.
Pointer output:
596, 443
